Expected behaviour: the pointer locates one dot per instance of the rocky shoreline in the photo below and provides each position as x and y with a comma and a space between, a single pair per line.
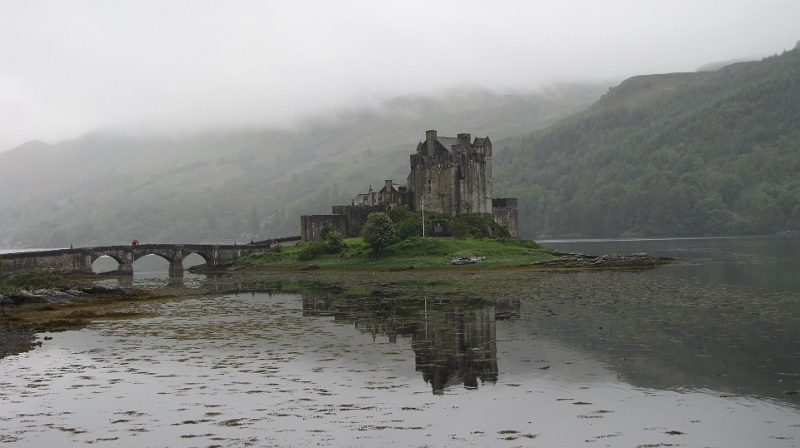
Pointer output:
77, 302
577, 260
27, 312
15, 340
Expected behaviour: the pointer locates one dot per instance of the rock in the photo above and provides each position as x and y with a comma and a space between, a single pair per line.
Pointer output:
52, 295
572, 260
465, 260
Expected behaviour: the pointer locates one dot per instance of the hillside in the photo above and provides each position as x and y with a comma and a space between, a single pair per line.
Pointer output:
107, 188
685, 154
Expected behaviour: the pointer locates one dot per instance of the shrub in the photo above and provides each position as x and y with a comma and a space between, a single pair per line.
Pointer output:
378, 231
409, 227
401, 213
476, 232
277, 248
459, 228
325, 232
333, 242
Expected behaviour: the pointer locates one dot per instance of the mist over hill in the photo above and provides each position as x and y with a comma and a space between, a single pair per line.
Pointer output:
108, 188
682, 154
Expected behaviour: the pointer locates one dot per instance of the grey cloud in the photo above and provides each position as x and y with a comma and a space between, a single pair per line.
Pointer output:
70, 67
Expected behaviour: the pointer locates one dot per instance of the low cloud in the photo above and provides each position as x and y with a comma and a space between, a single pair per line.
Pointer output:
69, 68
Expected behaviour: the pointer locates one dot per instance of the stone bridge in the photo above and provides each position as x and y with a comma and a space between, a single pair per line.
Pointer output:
79, 260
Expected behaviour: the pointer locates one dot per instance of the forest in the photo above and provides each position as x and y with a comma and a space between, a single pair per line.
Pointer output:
687, 154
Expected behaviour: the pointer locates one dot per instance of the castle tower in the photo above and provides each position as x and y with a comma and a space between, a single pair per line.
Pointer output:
452, 174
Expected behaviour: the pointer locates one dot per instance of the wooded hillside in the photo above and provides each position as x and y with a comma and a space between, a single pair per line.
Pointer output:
688, 154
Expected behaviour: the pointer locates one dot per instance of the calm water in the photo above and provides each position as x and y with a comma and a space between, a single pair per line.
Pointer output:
766, 263
686, 355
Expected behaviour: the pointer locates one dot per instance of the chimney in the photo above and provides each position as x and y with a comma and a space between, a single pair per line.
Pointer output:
463, 140
387, 186
430, 141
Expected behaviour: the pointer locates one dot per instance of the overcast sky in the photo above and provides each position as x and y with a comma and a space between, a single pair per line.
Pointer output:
69, 67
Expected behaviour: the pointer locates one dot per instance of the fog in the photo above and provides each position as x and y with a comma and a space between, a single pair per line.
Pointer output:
67, 68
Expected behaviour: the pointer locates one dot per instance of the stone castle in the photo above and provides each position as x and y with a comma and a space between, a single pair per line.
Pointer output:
450, 175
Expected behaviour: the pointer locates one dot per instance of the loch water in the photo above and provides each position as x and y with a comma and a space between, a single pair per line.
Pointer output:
701, 353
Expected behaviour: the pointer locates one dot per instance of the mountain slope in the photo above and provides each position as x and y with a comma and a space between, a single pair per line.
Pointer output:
108, 188
711, 153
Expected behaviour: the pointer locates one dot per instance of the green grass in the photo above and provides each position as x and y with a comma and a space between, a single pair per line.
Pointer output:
414, 253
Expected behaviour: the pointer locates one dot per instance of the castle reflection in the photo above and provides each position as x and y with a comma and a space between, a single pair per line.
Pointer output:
454, 341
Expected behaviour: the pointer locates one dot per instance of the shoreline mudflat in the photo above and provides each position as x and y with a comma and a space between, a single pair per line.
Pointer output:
27, 316
15, 340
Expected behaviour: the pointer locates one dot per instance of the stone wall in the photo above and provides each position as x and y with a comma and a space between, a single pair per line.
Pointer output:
506, 209
311, 226
357, 216
63, 261
348, 220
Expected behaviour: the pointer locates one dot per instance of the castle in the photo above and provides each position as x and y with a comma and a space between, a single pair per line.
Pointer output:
450, 175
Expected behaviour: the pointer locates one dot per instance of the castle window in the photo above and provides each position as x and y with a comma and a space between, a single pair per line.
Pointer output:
429, 186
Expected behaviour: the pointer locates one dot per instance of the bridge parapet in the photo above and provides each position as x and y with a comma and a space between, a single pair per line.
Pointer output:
79, 260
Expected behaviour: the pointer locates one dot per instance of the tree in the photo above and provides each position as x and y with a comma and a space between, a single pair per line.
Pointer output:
378, 231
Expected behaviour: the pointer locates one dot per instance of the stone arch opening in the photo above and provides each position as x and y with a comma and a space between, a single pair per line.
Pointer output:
194, 259
105, 263
151, 264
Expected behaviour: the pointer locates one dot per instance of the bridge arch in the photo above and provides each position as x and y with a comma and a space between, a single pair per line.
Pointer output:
195, 258
102, 263
151, 262
158, 253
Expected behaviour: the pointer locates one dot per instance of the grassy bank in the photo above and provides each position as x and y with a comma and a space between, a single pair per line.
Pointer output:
413, 253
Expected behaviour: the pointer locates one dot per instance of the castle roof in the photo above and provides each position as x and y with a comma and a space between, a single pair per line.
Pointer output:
480, 141
448, 142
452, 144
396, 186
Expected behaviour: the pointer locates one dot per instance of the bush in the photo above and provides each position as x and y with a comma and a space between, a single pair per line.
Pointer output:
378, 231
459, 228
276, 248
401, 213
409, 227
325, 232
476, 232
333, 242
